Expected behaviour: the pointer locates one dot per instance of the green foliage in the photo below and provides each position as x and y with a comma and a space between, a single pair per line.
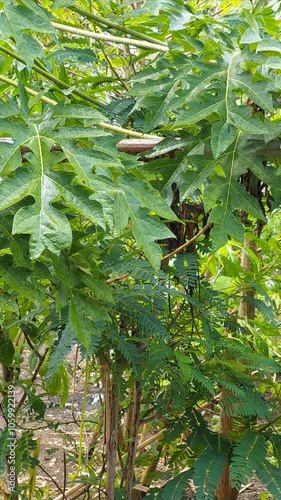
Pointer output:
247, 457
4, 441
174, 489
207, 473
25, 448
7, 349
270, 476
84, 227
62, 348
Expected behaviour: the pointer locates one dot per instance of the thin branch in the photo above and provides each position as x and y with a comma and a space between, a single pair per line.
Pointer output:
77, 488
28, 90
117, 278
187, 243
32, 347
64, 472
33, 378
53, 480
117, 26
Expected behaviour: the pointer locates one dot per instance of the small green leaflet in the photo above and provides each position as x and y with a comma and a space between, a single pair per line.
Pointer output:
250, 36
48, 227
269, 46
207, 473
77, 111
184, 363
17, 18
7, 348
175, 489
270, 476
226, 225
146, 229
84, 316
19, 279
5, 443
223, 135
22, 18
140, 193
247, 457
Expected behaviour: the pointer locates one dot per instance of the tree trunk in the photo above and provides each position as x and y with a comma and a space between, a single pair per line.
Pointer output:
133, 442
111, 429
225, 490
247, 311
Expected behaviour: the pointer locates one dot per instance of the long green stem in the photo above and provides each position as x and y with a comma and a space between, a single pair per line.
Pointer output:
28, 90
117, 26
52, 78
107, 126
110, 38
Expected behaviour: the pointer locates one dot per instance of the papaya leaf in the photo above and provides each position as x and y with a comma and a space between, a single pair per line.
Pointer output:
269, 46
223, 135
84, 318
140, 193
7, 348
19, 279
146, 230
48, 227
20, 17
78, 197
77, 111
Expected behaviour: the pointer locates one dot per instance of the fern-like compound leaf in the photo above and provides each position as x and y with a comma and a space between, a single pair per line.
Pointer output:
270, 477
207, 473
247, 457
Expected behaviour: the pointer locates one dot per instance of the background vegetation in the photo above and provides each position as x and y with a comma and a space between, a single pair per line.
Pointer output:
163, 268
